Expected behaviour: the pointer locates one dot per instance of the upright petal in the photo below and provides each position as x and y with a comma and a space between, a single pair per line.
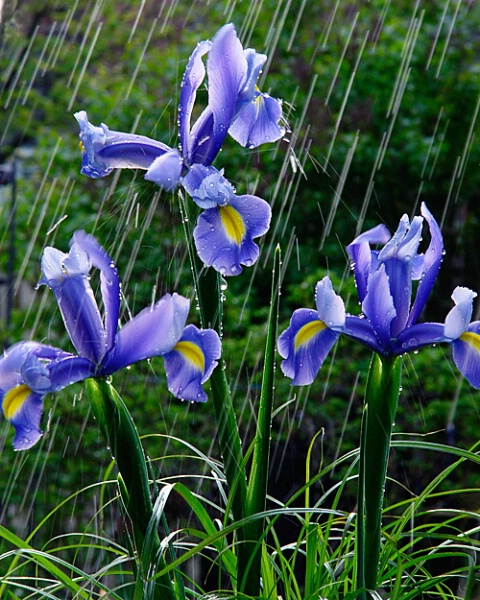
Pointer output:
68, 276
304, 345
331, 309
379, 307
459, 317
153, 332
165, 170
191, 363
431, 265
105, 150
361, 255
109, 281
224, 235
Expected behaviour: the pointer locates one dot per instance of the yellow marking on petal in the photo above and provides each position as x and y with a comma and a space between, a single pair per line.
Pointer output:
472, 339
307, 332
82, 147
233, 223
192, 353
14, 399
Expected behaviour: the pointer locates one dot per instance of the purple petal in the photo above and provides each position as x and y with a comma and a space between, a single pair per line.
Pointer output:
378, 306
153, 332
331, 309
255, 62
256, 121
431, 266
68, 276
362, 331
224, 235
207, 186
191, 363
304, 346
459, 317
466, 354
105, 150
109, 280
192, 79
23, 408
419, 335
165, 170
361, 255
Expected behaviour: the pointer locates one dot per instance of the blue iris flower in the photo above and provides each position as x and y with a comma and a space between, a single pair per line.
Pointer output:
388, 325
236, 107
29, 370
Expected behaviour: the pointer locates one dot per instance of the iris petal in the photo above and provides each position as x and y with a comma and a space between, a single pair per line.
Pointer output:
304, 345
224, 235
23, 408
152, 332
378, 306
466, 354
459, 317
191, 363
207, 186
256, 121
165, 170
331, 309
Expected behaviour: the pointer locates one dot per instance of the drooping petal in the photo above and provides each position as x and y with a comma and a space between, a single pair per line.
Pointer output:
207, 186
109, 281
459, 317
68, 276
165, 170
361, 330
466, 354
330, 307
257, 121
431, 265
224, 235
192, 79
304, 345
23, 408
191, 363
418, 336
153, 332
361, 255
378, 306
105, 150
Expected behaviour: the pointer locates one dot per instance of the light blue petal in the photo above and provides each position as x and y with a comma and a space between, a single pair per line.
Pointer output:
191, 363
224, 235
256, 121
304, 346
153, 332
207, 186
330, 306
459, 317
165, 170
255, 62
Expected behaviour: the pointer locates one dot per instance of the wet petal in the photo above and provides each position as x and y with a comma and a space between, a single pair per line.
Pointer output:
331, 309
191, 363
419, 335
466, 354
224, 235
23, 408
304, 346
165, 170
153, 332
207, 186
378, 306
459, 317
362, 331
109, 280
256, 121
255, 62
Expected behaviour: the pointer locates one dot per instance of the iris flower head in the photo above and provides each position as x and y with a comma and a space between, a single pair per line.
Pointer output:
235, 106
393, 285
29, 370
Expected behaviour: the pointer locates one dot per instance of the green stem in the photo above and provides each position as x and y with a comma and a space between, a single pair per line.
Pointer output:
124, 443
257, 486
381, 399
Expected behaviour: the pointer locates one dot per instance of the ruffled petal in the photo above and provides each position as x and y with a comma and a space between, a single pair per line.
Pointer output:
207, 186
361, 255
109, 281
192, 79
224, 235
68, 276
466, 354
153, 332
378, 306
105, 150
165, 170
304, 346
459, 317
256, 121
191, 363
331, 309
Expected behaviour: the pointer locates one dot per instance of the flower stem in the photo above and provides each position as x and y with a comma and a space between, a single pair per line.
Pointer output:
123, 440
380, 406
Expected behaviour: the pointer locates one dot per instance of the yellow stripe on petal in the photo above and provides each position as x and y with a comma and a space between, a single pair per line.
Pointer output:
233, 223
192, 353
472, 339
307, 332
14, 400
